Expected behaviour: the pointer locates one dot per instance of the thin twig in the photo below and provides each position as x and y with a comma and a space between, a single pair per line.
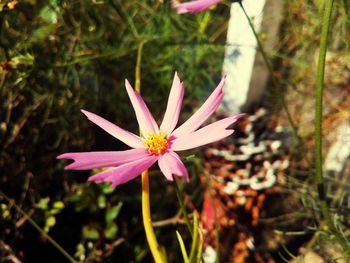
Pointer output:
170, 221
39, 229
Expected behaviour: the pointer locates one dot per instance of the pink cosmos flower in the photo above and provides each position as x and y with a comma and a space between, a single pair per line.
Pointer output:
156, 144
194, 6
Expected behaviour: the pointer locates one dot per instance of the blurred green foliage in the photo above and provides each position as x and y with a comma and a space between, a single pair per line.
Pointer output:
49, 211
58, 56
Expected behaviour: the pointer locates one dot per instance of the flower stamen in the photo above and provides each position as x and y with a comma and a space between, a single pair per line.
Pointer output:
156, 143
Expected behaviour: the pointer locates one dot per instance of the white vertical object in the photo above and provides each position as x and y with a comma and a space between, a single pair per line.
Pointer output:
339, 152
240, 53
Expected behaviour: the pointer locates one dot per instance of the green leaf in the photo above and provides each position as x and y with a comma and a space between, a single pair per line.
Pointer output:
196, 248
200, 248
5, 214
96, 2
183, 248
101, 201
22, 60
190, 157
39, 35
59, 205
113, 212
50, 222
106, 188
80, 252
90, 232
111, 231
43, 203
49, 13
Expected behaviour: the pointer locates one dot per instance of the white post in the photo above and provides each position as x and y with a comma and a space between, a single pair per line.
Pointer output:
240, 53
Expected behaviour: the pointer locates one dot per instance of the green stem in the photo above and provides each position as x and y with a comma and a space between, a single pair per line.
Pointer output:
183, 207
37, 227
156, 250
138, 67
318, 126
195, 236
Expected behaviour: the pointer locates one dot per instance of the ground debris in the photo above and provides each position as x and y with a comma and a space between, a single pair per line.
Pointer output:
241, 173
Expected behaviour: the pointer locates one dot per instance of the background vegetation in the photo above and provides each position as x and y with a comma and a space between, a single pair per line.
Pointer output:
59, 56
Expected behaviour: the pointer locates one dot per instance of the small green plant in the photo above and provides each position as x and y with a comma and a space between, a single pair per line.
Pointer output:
50, 211
94, 200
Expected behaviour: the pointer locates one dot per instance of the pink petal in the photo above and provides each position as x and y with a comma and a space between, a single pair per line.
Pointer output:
128, 138
124, 172
164, 167
203, 113
172, 112
170, 163
144, 117
194, 6
92, 160
208, 134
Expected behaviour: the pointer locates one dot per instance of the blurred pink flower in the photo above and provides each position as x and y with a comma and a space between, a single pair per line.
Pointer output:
194, 6
155, 143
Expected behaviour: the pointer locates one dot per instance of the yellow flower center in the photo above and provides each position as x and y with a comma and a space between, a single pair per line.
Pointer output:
156, 143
